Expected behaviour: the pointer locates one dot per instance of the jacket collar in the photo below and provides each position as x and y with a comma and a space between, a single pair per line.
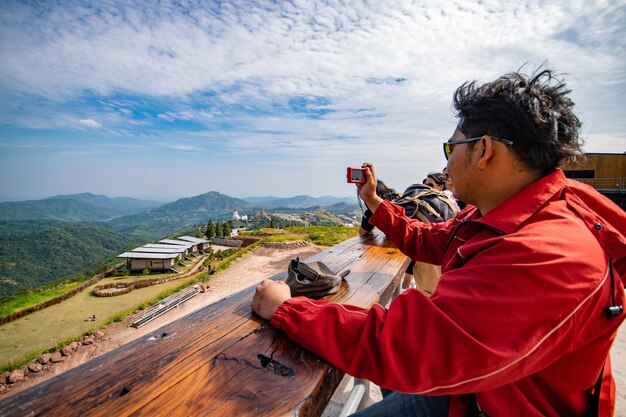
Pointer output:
509, 215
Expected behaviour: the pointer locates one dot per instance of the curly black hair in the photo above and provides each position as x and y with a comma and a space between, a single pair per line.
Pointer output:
534, 112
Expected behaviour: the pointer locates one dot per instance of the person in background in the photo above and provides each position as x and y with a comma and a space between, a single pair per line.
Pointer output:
439, 181
532, 290
435, 180
450, 190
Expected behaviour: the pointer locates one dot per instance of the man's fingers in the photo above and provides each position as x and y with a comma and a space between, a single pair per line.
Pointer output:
264, 284
369, 171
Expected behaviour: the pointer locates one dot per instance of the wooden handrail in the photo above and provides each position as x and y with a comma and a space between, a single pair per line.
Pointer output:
222, 360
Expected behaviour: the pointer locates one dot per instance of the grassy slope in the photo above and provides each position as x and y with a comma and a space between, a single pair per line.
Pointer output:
36, 297
30, 335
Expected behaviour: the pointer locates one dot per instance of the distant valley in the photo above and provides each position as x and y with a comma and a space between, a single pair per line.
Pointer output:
45, 240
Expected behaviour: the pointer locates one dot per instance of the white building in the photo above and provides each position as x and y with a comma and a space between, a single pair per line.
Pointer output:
238, 224
193, 247
138, 261
201, 243
184, 249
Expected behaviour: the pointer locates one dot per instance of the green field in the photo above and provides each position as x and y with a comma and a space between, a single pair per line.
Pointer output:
22, 302
320, 235
47, 328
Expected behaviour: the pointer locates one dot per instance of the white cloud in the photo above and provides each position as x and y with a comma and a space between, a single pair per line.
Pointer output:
90, 123
182, 147
319, 49
166, 116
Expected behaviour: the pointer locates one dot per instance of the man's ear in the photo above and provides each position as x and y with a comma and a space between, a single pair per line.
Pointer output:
487, 151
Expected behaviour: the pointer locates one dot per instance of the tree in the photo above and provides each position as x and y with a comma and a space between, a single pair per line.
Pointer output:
219, 232
210, 229
272, 224
226, 229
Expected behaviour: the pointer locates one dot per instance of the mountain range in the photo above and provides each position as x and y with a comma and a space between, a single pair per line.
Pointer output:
297, 202
118, 205
186, 212
141, 217
181, 214
74, 208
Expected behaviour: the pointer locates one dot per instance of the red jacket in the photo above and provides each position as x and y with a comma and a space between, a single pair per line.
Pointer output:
517, 316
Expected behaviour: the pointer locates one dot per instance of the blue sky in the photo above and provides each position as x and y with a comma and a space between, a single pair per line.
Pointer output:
161, 100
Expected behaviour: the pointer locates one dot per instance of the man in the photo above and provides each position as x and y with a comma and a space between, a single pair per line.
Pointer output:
530, 297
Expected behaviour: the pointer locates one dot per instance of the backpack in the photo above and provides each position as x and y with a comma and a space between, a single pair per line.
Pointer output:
426, 204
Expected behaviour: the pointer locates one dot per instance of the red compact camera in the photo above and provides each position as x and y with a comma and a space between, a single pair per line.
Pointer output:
356, 175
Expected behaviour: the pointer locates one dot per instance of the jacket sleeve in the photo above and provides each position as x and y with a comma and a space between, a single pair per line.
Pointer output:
475, 333
417, 240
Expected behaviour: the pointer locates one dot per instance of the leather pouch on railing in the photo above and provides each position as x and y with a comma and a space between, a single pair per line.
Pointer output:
313, 279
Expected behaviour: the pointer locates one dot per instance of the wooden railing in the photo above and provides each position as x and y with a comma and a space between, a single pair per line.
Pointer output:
222, 360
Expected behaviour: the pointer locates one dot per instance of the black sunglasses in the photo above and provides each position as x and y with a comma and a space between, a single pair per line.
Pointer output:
448, 146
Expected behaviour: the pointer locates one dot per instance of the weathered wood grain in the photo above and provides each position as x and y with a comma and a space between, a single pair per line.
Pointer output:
222, 360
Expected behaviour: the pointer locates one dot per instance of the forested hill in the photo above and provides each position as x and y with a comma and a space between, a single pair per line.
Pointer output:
43, 241
30, 260
30, 226
204, 203
74, 208
118, 205
54, 209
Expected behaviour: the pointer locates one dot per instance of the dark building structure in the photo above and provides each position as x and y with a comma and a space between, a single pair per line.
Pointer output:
606, 172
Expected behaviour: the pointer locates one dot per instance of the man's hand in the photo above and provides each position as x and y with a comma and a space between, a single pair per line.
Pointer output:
367, 190
269, 296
